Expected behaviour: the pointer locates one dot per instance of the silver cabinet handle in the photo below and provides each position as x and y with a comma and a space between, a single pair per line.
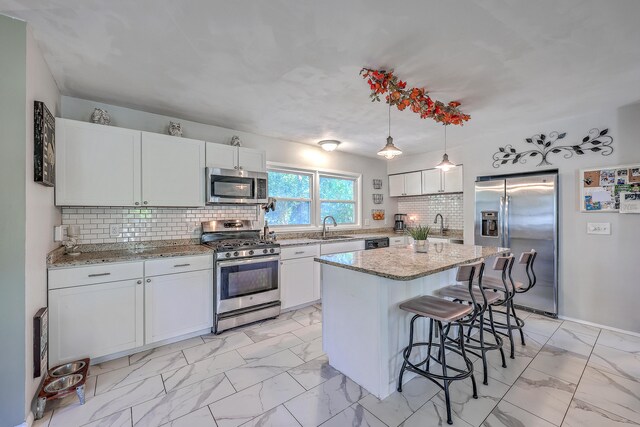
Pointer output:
139, 282
145, 202
99, 274
137, 203
298, 252
181, 265
148, 280
240, 167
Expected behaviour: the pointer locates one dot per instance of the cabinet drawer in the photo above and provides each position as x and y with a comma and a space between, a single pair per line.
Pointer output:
157, 267
397, 241
89, 275
300, 252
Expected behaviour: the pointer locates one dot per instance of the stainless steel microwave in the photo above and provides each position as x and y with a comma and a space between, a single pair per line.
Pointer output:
236, 186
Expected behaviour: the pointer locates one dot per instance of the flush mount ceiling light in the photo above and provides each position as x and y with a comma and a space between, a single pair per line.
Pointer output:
445, 164
389, 151
329, 144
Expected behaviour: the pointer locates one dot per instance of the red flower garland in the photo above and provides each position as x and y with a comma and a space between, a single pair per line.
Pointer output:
381, 81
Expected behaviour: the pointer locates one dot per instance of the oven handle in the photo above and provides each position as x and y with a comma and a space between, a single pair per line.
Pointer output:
229, 262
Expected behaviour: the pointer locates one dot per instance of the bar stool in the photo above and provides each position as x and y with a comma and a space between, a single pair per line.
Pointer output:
527, 259
439, 311
481, 302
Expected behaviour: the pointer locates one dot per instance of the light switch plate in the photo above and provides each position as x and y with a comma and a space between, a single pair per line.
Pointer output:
599, 228
59, 233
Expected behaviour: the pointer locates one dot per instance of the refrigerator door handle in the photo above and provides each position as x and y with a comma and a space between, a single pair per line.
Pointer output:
501, 221
507, 199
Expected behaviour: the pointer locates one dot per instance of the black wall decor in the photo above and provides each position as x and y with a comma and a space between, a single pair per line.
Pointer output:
597, 141
44, 135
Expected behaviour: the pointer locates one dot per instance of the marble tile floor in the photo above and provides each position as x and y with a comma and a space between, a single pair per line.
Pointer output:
274, 373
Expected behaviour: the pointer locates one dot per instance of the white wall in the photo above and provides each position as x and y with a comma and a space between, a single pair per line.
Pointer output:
597, 281
278, 150
41, 214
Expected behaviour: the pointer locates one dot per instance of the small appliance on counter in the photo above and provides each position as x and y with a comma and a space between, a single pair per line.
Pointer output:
400, 225
375, 243
246, 273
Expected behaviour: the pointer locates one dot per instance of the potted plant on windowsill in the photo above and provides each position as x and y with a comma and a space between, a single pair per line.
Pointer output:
420, 235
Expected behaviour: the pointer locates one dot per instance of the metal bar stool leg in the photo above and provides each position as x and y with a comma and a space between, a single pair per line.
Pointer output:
517, 319
407, 352
483, 351
496, 337
430, 343
443, 362
469, 364
510, 332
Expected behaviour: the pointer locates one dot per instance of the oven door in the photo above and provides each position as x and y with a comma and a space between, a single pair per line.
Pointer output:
245, 283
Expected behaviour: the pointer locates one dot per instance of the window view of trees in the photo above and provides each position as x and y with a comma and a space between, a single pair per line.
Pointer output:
293, 192
295, 195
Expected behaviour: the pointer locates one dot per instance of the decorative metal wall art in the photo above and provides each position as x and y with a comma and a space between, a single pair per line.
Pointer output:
235, 141
44, 139
377, 184
100, 117
597, 141
378, 198
175, 128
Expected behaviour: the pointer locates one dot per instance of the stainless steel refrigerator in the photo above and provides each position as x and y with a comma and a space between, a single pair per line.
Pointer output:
521, 212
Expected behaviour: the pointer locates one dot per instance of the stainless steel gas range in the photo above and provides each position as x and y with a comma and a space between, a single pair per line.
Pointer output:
247, 273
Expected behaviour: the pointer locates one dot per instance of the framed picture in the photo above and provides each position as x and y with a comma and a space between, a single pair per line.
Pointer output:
44, 135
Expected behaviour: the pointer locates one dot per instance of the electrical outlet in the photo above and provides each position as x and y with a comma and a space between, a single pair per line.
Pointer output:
599, 228
367, 222
59, 233
115, 230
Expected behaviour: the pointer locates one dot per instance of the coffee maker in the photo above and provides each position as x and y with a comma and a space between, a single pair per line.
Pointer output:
399, 225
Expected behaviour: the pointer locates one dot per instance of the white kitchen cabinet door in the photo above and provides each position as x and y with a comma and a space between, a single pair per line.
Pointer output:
298, 282
396, 185
453, 180
317, 281
221, 156
252, 160
95, 320
397, 240
412, 184
172, 171
96, 165
178, 304
431, 181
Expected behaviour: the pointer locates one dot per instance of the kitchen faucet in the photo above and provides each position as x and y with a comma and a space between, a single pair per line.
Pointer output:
324, 224
442, 229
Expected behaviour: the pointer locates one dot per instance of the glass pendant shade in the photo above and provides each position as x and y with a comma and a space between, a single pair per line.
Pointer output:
329, 144
389, 151
445, 164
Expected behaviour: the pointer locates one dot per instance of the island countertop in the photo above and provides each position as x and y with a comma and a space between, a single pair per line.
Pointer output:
402, 263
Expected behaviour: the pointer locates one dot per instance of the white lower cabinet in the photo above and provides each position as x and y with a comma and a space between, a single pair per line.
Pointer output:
338, 247
299, 282
95, 320
177, 304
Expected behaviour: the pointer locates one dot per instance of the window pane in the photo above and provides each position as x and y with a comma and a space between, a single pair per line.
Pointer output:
336, 188
289, 185
289, 212
344, 213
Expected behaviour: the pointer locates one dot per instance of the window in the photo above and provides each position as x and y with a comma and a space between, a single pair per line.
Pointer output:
305, 197
293, 192
337, 198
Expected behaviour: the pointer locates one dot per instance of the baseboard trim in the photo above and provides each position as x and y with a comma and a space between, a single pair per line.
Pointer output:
597, 325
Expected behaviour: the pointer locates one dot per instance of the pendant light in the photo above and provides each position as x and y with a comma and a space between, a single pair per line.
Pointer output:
445, 164
389, 151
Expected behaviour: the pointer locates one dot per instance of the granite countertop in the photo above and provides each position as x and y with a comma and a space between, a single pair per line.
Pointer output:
402, 263
306, 240
126, 255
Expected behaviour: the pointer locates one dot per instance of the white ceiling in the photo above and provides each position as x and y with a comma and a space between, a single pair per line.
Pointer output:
289, 68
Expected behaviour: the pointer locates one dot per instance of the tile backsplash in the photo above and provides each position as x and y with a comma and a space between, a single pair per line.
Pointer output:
425, 208
146, 224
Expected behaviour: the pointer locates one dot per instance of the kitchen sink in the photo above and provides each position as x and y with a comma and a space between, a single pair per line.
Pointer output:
332, 237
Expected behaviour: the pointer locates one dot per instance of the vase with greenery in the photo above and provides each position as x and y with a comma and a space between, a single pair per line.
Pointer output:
420, 235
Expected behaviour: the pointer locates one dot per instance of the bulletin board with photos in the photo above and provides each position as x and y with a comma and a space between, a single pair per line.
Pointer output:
611, 189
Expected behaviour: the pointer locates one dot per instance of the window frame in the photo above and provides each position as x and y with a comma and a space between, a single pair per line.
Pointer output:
316, 220
293, 199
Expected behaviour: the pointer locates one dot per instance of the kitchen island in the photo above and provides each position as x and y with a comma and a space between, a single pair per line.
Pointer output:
364, 331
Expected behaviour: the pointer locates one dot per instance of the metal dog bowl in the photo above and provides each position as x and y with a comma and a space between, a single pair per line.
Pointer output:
67, 369
63, 383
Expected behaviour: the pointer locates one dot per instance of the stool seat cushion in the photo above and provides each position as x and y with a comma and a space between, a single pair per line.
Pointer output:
436, 308
494, 283
461, 292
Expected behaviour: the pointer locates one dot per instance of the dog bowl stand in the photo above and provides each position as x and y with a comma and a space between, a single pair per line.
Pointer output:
78, 388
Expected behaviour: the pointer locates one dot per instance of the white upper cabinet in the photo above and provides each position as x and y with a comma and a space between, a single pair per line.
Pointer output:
221, 156
431, 181
405, 184
252, 160
230, 157
172, 171
412, 184
437, 181
453, 182
96, 165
